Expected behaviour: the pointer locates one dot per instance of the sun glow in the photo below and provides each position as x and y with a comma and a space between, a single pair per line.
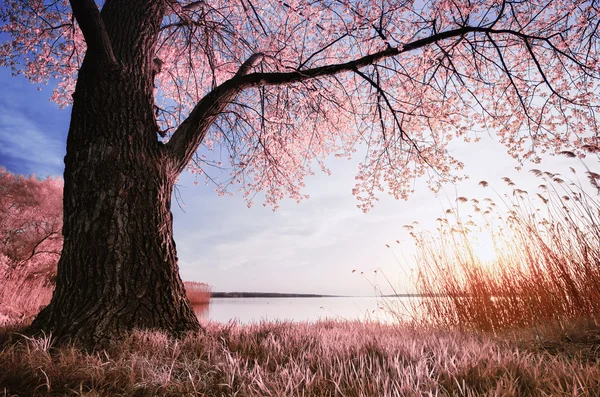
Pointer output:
483, 246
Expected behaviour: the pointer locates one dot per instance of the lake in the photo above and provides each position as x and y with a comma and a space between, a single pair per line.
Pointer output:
248, 310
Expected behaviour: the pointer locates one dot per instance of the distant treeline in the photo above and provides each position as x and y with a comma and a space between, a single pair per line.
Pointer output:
284, 295
267, 295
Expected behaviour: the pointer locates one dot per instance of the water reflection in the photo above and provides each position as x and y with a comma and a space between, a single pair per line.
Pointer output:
202, 311
248, 310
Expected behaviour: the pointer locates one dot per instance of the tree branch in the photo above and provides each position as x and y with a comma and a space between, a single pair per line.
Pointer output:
34, 251
189, 135
191, 132
92, 26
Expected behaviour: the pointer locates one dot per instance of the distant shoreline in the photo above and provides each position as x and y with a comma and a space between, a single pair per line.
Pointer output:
288, 295
269, 295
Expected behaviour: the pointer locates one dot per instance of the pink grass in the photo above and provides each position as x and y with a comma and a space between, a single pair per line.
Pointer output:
198, 293
22, 295
285, 359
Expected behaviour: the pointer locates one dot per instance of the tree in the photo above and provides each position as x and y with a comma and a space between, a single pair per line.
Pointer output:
30, 224
30, 241
280, 85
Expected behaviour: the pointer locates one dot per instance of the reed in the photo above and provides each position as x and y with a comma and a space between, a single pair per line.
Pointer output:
544, 265
198, 293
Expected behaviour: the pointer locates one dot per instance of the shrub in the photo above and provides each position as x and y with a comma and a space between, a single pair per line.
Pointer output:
198, 293
30, 242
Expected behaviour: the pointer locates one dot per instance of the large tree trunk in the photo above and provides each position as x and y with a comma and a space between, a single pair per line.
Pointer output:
118, 270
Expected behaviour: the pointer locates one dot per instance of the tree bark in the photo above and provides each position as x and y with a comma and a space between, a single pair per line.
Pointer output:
118, 269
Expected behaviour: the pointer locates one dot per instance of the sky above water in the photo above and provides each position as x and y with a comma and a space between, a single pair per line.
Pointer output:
311, 247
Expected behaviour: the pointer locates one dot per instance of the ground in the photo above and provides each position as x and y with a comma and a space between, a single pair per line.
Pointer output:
322, 359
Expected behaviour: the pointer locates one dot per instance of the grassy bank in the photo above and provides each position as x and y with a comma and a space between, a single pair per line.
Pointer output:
323, 359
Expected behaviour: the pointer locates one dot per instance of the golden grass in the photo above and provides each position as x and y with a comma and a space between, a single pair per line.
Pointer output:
198, 293
546, 266
286, 359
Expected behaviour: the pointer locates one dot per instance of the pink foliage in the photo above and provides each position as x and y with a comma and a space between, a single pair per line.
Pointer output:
526, 71
30, 224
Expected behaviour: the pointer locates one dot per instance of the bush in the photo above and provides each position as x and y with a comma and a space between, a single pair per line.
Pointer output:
30, 242
198, 293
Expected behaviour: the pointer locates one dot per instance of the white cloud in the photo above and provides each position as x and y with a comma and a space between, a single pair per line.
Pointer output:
315, 245
23, 139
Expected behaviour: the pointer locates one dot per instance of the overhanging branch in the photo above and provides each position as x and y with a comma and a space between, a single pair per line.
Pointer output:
191, 132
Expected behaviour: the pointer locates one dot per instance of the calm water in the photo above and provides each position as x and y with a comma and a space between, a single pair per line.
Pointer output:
247, 310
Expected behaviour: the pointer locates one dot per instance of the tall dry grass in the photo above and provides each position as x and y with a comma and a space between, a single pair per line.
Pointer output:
299, 359
198, 293
545, 265
22, 295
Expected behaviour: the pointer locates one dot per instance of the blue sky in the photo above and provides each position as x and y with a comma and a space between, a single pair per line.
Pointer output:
33, 131
311, 247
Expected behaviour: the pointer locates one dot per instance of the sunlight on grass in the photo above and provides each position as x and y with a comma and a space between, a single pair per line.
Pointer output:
529, 259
